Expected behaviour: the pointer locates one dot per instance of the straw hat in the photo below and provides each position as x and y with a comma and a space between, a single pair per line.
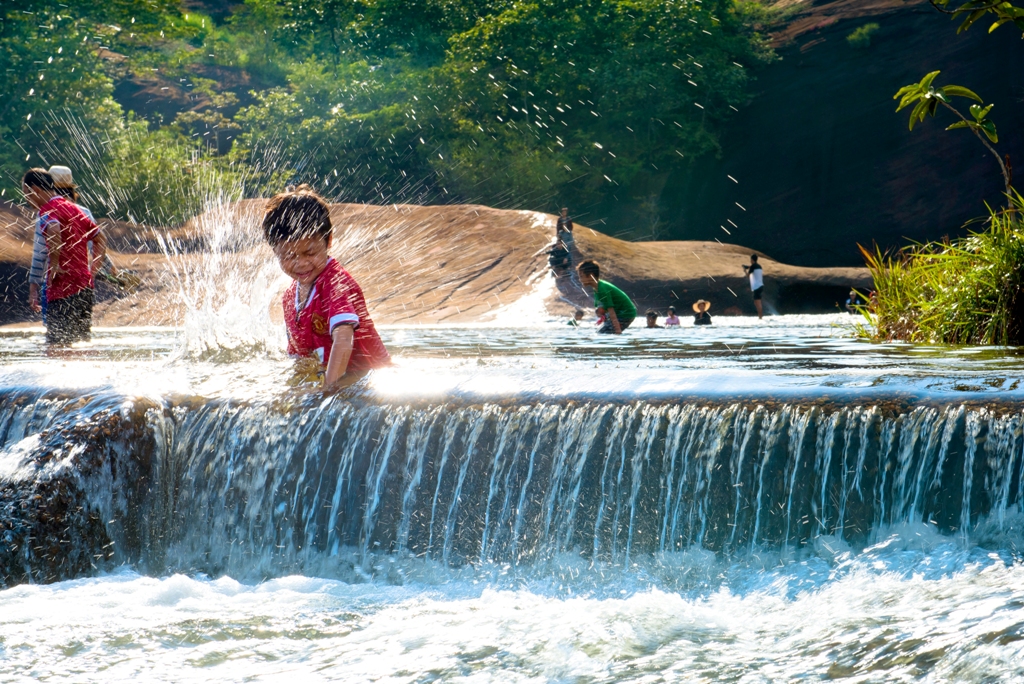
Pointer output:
696, 305
62, 177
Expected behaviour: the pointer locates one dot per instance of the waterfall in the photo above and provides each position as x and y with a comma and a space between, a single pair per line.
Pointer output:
261, 489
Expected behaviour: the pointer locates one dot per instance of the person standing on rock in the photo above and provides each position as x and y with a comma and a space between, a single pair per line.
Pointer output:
69, 282
563, 230
756, 277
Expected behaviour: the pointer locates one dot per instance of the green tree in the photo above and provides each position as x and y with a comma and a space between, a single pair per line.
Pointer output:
926, 99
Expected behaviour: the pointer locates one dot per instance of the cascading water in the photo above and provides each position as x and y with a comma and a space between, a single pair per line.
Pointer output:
259, 490
530, 505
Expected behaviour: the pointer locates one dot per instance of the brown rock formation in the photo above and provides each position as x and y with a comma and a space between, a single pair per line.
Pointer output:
435, 264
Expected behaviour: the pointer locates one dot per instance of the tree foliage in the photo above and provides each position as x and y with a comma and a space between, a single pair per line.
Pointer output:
926, 98
973, 10
505, 102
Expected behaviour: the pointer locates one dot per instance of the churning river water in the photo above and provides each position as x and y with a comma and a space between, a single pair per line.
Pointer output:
766, 501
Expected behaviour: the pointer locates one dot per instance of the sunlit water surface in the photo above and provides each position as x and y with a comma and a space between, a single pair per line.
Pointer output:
914, 606
781, 357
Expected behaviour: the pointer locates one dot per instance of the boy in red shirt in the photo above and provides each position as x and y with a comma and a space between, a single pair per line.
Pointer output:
324, 309
69, 283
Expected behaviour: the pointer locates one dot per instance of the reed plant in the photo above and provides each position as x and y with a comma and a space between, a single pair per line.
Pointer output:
963, 291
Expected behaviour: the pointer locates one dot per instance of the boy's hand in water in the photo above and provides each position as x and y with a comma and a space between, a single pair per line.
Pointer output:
33, 298
341, 351
616, 326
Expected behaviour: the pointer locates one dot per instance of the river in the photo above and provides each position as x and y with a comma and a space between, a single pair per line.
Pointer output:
751, 502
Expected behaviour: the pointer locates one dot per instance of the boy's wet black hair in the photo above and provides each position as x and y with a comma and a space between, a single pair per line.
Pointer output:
753, 257
589, 267
38, 178
652, 312
296, 214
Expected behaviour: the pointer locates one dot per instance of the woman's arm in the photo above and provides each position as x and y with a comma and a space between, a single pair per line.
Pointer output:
341, 352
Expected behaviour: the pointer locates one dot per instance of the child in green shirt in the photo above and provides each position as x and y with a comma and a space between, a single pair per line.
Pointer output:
618, 310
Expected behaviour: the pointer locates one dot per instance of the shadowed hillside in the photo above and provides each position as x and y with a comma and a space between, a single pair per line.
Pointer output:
822, 159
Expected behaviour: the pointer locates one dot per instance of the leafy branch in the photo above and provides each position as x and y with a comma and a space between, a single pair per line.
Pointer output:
974, 10
927, 98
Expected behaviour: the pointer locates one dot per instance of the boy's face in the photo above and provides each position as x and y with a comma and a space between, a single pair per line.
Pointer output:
588, 280
652, 321
34, 195
303, 259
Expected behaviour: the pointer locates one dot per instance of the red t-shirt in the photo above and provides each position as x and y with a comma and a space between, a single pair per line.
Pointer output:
76, 230
335, 299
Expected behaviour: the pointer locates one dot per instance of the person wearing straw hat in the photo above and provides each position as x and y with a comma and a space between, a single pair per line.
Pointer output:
700, 312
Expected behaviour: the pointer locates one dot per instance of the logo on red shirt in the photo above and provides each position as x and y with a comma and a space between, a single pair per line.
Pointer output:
319, 324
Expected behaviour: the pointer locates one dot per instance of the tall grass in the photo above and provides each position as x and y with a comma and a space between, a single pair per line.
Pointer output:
965, 291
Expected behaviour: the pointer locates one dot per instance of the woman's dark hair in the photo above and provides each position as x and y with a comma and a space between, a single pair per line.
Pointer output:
589, 267
671, 309
38, 178
296, 214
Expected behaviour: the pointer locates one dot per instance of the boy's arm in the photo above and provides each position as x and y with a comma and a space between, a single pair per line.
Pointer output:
54, 243
99, 251
33, 298
341, 352
615, 321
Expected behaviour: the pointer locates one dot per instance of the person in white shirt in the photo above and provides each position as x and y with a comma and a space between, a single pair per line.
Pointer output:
753, 271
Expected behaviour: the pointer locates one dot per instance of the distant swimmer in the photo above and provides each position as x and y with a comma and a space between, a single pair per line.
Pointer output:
700, 312
652, 319
672, 320
577, 318
324, 310
756, 277
617, 310
852, 302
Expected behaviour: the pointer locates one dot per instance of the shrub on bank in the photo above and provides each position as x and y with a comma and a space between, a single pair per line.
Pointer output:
965, 291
